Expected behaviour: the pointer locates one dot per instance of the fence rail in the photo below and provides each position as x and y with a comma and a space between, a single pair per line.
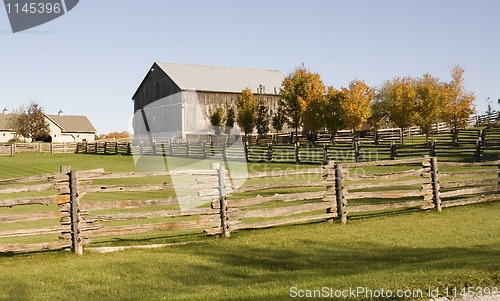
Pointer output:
38, 147
208, 202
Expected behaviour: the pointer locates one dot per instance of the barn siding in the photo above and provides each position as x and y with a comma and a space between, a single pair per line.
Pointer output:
156, 85
179, 115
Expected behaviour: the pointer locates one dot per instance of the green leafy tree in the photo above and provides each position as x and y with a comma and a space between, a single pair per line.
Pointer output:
217, 119
246, 111
298, 89
262, 117
30, 123
333, 118
230, 119
279, 117
398, 97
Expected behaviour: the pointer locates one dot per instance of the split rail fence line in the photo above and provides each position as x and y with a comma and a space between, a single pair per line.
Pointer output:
38, 147
472, 146
336, 192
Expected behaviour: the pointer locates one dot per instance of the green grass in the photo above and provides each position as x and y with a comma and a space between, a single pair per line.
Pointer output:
458, 247
399, 249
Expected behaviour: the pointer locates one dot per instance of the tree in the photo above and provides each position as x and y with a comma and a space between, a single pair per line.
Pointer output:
314, 114
217, 119
246, 107
429, 100
230, 119
297, 90
262, 116
356, 104
333, 119
398, 97
30, 123
458, 103
279, 117
114, 135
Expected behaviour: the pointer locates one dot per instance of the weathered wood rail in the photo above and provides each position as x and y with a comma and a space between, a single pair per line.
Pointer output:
468, 145
12, 149
58, 226
207, 201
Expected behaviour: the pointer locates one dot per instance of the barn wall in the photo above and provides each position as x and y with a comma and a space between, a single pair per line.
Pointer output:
156, 85
211, 100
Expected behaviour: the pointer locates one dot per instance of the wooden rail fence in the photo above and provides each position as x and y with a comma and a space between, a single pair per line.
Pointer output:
38, 147
207, 200
469, 148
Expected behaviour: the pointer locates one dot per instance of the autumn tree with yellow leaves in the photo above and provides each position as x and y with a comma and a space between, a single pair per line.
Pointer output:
302, 93
356, 104
397, 97
333, 118
458, 103
429, 102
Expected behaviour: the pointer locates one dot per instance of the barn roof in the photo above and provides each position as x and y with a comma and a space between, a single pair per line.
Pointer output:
4, 120
222, 79
76, 124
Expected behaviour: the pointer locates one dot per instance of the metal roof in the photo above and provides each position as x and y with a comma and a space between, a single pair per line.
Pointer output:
222, 79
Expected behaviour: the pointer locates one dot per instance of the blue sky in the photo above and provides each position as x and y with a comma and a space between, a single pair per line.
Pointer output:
91, 60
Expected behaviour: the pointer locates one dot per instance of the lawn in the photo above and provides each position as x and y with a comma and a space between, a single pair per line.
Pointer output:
414, 250
456, 248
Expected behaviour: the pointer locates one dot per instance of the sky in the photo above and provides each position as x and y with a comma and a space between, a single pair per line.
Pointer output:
91, 60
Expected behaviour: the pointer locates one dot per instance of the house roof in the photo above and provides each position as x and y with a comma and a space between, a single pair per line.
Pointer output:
77, 124
222, 79
4, 119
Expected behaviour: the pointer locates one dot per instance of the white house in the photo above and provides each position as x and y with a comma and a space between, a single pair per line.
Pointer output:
6, 133
70, 128
62, 128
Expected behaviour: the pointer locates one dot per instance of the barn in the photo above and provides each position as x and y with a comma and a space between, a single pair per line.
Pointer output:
174, 100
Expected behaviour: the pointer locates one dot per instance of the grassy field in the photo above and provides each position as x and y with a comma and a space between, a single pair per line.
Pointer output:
456, 248
404, 250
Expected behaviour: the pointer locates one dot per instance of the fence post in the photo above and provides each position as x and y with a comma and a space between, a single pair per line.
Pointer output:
116, 147
393, 151
339, 194
329, 177
427, 182
432, 152
477, 154
129, 149
13, 149
246, 150
224, 151
105, 148
436, 198
203, 149
187, 149
76, 240
269, 152
170, 151
296, 151
224, 219
356, 150
401, 136
376, 137
325, 154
